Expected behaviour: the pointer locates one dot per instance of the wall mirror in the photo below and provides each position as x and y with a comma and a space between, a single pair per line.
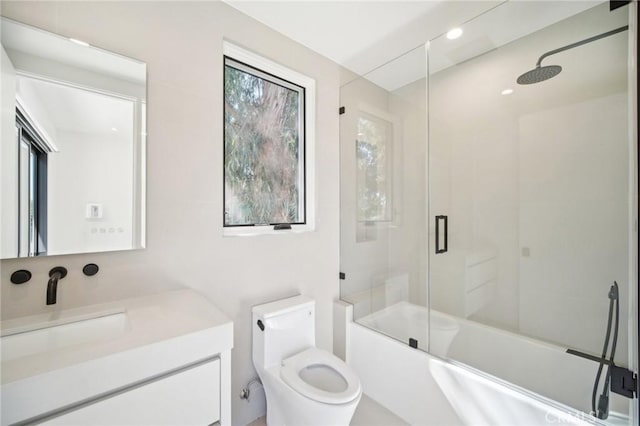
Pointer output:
72, 151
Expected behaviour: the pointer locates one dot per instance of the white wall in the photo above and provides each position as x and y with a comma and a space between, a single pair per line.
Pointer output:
182, 46
91, 169
573, 206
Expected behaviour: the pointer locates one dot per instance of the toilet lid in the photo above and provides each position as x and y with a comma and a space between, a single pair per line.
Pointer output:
321, 376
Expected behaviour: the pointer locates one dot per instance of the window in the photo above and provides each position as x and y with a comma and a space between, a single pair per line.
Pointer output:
376, 155
267, 137
32, 188
373, 169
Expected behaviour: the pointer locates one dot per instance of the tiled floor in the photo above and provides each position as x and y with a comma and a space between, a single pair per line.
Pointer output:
368, 413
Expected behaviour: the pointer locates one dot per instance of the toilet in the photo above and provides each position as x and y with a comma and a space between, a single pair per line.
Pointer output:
443, 330
303, 385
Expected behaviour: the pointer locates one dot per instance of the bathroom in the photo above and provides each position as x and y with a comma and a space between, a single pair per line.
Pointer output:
181, 241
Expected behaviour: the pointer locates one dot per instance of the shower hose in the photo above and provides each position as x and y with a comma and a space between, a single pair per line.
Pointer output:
602, 411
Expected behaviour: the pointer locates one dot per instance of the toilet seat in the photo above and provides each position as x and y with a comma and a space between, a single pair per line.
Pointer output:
314, 357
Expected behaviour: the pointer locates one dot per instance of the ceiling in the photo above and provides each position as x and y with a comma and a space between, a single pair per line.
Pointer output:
53, 47
337, 30
85, 112
365, 36
361, 35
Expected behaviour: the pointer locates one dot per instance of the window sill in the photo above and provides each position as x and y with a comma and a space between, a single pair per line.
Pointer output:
252, 231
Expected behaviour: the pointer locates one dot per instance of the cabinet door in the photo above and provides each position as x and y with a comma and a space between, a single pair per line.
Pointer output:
187, 397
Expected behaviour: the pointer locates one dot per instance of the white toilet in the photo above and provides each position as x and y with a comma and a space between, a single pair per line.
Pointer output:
304, 385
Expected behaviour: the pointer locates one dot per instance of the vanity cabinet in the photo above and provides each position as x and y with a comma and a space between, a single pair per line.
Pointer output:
156, 360
190, 396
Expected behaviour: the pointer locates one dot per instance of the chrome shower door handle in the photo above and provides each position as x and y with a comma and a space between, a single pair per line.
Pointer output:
442, 227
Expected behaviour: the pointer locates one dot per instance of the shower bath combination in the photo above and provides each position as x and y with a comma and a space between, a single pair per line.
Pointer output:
540, 73
528, 182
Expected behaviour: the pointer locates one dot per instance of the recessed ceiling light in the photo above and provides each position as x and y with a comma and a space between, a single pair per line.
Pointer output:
454, 33
507, 91
113, 129
79, 42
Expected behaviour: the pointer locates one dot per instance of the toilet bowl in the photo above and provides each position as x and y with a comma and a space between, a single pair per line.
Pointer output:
304, 385
443, 330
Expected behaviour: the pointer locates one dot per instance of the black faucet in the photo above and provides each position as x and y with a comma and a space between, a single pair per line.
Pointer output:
55, 274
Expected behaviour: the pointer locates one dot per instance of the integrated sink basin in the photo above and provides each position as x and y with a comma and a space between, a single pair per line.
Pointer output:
35, 335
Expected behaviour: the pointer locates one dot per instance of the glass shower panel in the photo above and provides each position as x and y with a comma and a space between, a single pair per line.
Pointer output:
383, 197
530, 185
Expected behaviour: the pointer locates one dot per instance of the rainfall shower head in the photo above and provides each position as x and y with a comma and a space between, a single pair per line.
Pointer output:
541, 73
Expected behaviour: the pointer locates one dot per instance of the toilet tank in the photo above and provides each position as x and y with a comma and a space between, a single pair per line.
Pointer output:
288, 328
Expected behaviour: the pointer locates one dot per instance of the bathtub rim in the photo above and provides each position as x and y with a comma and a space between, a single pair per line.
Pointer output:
464, 321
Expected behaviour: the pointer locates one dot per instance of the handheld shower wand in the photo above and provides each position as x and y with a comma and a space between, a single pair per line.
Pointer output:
618, 379
602, 409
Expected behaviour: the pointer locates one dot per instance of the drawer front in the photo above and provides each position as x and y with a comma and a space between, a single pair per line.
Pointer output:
186, 397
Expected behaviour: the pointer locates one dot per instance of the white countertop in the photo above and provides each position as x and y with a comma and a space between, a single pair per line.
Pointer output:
163, 332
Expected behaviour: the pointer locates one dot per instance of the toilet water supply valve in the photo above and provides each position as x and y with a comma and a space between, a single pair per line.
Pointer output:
246, 391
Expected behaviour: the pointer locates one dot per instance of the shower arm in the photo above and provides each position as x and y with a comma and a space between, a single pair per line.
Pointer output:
580, 43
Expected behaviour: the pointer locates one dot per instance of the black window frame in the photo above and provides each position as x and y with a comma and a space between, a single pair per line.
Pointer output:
38, 178
229, 61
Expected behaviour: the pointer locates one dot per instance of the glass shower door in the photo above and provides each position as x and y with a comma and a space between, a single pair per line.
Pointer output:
383, 257
529, 199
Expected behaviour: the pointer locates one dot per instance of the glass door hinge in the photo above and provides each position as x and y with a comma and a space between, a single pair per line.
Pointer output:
624, 382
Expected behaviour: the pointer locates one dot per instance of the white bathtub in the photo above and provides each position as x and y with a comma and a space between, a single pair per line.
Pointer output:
426, 390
